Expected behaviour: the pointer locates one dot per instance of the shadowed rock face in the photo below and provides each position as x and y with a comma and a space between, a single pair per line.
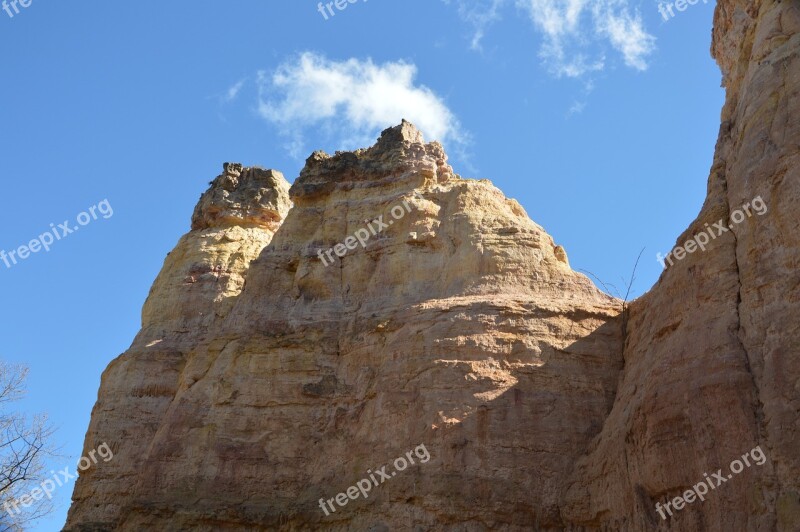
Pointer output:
461, 326
711, 365
458, 325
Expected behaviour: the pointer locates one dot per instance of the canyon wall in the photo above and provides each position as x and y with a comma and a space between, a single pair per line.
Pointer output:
711, 366
281, 361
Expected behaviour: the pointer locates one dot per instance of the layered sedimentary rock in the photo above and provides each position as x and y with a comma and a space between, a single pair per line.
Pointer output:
711, 359
234, 220
280, 360
200, 279
458, 326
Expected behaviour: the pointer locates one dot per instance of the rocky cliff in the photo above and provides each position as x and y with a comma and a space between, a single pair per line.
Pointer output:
300, 339
711, 366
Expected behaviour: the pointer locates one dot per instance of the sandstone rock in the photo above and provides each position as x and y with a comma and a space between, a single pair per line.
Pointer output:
243, 197
711, 368
461, 326
200, 279
234, 220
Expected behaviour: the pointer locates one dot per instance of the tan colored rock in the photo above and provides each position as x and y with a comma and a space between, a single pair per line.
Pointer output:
459, 326
234, 220
244, 197
711, 365
200, 279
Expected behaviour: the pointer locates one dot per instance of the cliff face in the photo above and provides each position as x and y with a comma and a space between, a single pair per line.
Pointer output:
390, 304
458, 326
197, 286
711, 365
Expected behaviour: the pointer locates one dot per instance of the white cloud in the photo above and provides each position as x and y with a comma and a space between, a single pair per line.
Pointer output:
574, 32
570, 27
626, 33
556, 18
233, 91
480, 14
576, 108
350, 101
580, 104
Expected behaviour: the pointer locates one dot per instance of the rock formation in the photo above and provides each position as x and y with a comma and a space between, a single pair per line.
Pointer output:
458, 326
711, 369
299, 339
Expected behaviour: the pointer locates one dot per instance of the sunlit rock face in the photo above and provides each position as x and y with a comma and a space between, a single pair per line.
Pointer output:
299, 339
457, 325
197, 287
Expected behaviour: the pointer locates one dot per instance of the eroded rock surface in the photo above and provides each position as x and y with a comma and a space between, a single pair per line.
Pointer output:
711, 360
461, 326
197, 286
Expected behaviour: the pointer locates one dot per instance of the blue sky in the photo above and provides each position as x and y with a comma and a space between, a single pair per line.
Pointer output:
599, 117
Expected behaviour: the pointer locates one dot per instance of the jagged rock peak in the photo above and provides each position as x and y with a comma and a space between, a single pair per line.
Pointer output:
400, 150
243, 196
398, 135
